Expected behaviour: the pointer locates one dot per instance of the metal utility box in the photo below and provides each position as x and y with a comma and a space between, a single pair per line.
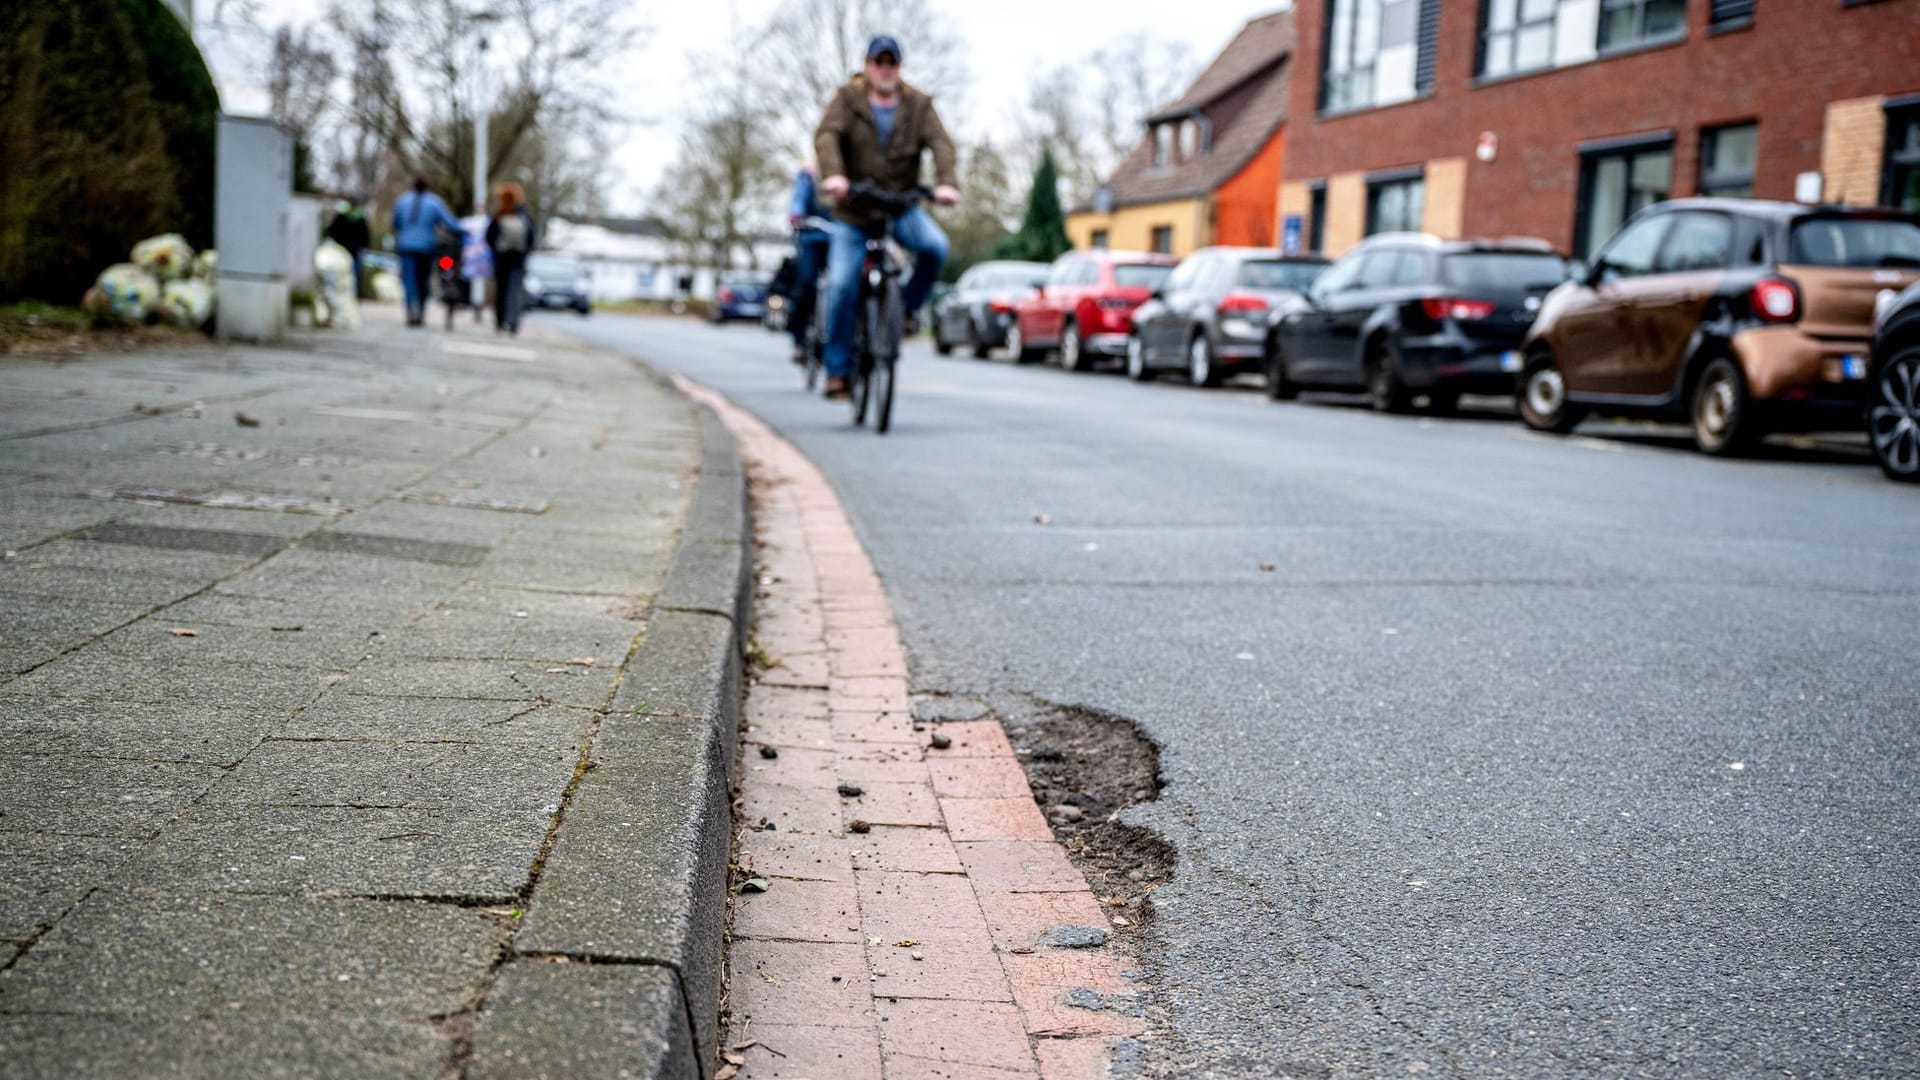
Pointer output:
253, 190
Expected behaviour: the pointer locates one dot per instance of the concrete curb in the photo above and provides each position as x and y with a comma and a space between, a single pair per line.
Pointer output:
638, 871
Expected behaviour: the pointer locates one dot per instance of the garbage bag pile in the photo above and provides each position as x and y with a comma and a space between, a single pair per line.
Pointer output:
163, 280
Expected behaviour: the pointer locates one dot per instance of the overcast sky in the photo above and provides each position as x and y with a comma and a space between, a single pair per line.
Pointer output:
1007, 41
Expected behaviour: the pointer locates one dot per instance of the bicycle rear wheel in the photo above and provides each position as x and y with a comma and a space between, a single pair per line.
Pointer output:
863, 363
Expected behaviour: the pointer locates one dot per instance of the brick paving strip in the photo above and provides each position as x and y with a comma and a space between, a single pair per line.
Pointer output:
916, 944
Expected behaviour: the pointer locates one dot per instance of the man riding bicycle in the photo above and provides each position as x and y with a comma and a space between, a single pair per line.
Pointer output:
873, 132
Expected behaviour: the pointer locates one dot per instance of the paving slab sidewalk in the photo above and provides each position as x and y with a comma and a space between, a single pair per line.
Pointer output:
918, 918
368, 705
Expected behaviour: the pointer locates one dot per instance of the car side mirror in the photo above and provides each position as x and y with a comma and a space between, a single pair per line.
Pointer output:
1595, 272
1157, 294
1039, 290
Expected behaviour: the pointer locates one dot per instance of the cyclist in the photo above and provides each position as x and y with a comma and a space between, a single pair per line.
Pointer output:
810, 256
873, 132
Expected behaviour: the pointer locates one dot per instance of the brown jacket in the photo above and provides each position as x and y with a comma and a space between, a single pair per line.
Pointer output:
848, 144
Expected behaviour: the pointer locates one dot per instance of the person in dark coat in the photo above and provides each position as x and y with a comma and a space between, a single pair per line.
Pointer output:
349, 229
510, 236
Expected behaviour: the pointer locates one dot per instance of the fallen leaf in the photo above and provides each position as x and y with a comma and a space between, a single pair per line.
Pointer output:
244, 420
1122, 920
859, 826
733, 1059
907, 944
181, 631
727, 1073
755, 884
1268, 567
581, 661
559, 671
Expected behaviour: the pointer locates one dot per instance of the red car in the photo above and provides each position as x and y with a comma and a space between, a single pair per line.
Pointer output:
1085, 309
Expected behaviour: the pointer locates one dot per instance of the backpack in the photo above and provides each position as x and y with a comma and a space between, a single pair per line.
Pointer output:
510, 233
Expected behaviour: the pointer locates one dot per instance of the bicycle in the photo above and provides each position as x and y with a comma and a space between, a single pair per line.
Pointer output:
816, 337
878, 319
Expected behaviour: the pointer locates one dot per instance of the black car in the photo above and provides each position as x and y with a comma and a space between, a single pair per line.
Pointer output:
1405, 314
1211, 315
1893, 386
975, 313
557, 282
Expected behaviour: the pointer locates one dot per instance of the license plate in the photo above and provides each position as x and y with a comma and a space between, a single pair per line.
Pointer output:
1853, 367
1510, 361
559, 299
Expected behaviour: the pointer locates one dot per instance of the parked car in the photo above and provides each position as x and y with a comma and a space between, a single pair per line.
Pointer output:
558, 282
1211, 316
1408, 314
977, 311
1085, 308
740, 296
1893, 385
1739, 315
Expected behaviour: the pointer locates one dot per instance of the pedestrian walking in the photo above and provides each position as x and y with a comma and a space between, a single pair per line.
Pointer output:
349, 229
418, 217
510, 236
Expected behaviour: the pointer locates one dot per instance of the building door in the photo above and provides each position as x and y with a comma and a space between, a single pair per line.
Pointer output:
1617, 183
1901, 183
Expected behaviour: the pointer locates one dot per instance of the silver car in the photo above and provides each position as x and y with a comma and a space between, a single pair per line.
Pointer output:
555, 281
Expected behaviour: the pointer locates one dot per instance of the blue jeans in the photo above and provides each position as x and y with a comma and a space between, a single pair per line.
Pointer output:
810, 256
414, 268
847, 250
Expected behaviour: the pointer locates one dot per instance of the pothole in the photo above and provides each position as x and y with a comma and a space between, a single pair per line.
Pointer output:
1085, 767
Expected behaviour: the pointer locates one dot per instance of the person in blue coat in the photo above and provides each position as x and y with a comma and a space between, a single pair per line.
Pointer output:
810, 256
418, 217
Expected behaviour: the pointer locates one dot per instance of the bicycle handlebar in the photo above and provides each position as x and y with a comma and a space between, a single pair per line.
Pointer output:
901, 201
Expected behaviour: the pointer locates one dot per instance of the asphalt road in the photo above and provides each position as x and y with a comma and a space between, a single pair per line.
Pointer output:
1530, 757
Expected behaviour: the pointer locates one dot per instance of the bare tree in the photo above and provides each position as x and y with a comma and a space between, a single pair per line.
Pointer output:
300, 80
807, 48
988, 213
724, 187
1091, 112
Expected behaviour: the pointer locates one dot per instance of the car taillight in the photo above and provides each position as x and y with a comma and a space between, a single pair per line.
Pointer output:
1114, 303
1775, 301
1241, 303
1442, 308
1000, 307
726, 296
446, 262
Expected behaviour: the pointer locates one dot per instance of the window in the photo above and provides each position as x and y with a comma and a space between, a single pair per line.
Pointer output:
1396, 205
1617, 183
1696, 242
1189, 140
1729, 15
1627, 23
1379, 269
1833, 240
1140, 275
1274, 274
1162, 143
1500, 271
1341, 276
1517, 35
1377, 52
1631, 253
1317, 218
1098, 239
1901, 186
1413, 268
1727, 156
1087, 273
1162, 240
1062, 272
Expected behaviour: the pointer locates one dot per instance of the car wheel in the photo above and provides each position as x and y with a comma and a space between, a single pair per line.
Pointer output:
1385, 392
1722, 410
1279, 387
1443, 403
1137, 369
1543, 397
1017, 344
1893, 417
940, 345
1071, 359
1200, 369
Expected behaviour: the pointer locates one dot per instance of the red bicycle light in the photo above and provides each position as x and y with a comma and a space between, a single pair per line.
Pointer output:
1440, 308
1775, 301
446, 262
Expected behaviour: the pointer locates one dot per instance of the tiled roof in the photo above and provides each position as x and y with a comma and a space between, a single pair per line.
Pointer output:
1242, 95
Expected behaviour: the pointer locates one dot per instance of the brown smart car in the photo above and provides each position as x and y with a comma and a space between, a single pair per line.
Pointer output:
1740, 315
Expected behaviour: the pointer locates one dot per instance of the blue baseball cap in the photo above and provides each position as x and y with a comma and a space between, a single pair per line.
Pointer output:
885, 43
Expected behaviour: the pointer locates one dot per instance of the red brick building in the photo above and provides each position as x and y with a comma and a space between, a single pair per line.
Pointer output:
1559, 118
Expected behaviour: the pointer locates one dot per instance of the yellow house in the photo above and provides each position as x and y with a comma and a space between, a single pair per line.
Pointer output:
1208, 167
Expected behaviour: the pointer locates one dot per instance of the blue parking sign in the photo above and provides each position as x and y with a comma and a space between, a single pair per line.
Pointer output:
1291, 228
